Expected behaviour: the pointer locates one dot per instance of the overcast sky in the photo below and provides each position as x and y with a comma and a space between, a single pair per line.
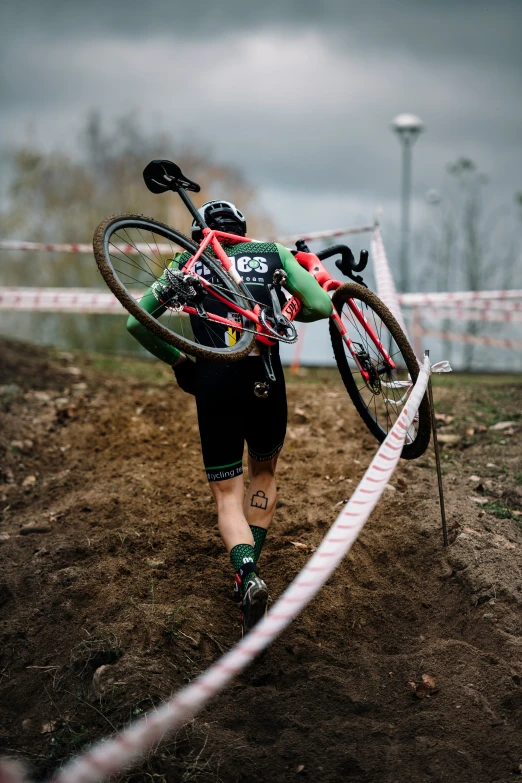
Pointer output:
298, 93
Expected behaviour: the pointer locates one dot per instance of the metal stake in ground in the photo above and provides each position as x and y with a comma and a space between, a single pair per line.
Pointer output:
437, 460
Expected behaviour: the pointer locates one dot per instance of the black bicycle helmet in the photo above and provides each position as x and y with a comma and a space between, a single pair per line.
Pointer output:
221, 216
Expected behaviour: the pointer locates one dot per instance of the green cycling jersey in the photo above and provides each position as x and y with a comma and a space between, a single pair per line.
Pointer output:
255, 263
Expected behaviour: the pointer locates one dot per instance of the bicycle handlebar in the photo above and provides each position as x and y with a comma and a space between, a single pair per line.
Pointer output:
347, 261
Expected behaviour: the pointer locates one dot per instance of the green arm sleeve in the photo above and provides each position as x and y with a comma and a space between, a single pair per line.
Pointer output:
155, 345
316, 302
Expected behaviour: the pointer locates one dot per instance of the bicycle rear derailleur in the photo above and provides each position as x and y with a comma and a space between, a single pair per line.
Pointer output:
181, 289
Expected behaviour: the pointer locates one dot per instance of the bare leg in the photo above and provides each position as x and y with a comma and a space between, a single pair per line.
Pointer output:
232, 524
260, 500
235, 513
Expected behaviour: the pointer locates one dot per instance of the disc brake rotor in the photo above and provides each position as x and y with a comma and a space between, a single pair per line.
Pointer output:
373, 382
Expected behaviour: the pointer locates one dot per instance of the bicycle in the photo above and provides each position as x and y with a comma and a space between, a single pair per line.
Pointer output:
373, 355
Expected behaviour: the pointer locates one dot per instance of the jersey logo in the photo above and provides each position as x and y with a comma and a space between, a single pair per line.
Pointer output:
245, 264
201, 269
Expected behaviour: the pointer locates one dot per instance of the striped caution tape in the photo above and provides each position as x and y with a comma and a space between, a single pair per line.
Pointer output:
163, 248
472, 339
462, 313
475, 299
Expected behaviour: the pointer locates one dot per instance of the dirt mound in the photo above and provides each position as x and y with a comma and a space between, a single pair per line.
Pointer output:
115, 589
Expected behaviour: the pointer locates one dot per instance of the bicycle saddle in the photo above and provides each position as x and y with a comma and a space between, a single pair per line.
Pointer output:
162, 175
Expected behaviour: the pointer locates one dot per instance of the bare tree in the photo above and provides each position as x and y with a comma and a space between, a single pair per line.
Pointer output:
474, 246
54, 197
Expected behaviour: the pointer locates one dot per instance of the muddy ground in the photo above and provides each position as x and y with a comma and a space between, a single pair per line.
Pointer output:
115, 589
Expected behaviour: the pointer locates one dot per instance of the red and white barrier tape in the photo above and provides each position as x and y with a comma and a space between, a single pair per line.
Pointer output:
74, 247
475, 305
482, 299
465, 314
140, 247
60, 300
298, 349
79, 247
108, 757
102, 301
471, 339
338, 232
383, 277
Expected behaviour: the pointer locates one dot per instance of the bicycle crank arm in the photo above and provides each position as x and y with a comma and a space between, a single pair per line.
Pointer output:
279, 318
266, 356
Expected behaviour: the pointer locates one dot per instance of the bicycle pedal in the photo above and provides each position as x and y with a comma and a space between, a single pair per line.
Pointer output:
261, 389
279, 277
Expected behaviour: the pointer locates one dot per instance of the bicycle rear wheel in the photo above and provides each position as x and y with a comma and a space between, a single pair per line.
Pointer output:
133, 253
380, 400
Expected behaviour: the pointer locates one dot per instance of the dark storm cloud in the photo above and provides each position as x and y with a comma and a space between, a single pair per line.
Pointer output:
474, 29
298, 93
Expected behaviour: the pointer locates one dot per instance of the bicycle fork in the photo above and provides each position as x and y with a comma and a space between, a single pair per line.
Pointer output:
390, 364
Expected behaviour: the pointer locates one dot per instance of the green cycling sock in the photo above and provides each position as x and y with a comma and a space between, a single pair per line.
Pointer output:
242, 554
259, 534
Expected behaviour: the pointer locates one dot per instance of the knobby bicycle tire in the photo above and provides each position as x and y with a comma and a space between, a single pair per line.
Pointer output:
237, 292
357, 292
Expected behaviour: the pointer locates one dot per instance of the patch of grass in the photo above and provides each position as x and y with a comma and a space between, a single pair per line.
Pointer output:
500, 510
313, 375
124, 366
475, 379
156, 371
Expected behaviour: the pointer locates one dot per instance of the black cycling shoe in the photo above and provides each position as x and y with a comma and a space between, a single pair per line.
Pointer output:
237, 595
254, 603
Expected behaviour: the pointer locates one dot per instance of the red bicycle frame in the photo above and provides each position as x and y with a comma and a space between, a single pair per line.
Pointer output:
308, 261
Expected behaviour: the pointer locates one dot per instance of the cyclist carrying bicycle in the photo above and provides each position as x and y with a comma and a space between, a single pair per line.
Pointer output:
230, 411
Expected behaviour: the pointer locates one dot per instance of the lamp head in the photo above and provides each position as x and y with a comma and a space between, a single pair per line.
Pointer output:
407, 126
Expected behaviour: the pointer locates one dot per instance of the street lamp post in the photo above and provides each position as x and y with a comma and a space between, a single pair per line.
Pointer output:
408, 127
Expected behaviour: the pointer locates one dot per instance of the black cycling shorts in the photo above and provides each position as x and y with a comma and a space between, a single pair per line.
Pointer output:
229, 413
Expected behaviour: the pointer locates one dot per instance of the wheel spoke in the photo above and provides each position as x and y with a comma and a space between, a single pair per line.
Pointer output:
140, 253
133, 253
381, 398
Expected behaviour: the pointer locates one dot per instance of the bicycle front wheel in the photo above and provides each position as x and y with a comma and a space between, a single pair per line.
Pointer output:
380, 399
133, 254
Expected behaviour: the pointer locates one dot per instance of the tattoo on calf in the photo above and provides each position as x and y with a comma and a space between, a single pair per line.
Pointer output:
259, 500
